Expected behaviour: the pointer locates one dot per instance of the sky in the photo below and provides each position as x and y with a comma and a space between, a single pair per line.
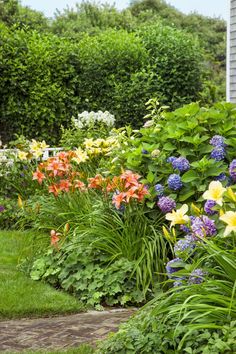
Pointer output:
210, 8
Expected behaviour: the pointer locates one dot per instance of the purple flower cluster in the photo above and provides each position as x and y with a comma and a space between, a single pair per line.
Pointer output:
232, 170
166, 204
159, 188
203, 226
2, 208
181, 164
174, 182
184, 228
218, 153
171, 268
184, 245
208, 207
197, 276
218, 140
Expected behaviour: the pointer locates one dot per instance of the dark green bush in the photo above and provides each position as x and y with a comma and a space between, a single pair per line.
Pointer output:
38, 84
46, 79
121, 71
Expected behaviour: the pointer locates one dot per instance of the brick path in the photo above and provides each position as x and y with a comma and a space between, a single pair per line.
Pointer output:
59, 332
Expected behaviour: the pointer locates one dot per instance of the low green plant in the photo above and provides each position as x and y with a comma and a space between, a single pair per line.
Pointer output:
88, 275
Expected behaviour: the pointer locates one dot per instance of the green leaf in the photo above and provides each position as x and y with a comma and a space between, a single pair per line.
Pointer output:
189, 176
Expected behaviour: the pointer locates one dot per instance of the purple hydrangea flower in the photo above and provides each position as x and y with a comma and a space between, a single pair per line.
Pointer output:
197, 276
218, 140
166, 204
170, 159
232, 170
159, 188
203, 226
218, 153
184, 228
2, 208
221, 177
184, 245
181, 164
190, 238
170, 268
208, 207
174, 182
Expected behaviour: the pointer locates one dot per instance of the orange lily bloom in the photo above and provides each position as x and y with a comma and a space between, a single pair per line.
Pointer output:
39, 176
118, 199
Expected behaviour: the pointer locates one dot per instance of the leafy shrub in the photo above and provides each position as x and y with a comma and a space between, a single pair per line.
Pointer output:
175, 60
186, 133
38, 87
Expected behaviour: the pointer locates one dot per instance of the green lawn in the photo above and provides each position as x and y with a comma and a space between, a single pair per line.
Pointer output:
19, 295
83, 349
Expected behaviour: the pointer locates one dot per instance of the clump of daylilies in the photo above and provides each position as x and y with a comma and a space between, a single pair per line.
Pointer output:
31, 150
60, 175
198, 227
124, 187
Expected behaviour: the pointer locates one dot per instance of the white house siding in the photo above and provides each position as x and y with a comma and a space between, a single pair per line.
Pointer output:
231, 55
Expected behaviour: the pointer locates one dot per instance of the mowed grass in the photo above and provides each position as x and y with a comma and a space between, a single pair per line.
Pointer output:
19, 295
83, 349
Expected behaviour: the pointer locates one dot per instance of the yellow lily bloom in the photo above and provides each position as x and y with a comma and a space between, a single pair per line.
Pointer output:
178, 217
22, 155
229, 218
215, 192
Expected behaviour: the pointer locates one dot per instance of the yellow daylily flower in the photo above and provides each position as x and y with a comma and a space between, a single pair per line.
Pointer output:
215, 192
43, 145
229, 218
22, 155
81, 156
88, 143
178, 217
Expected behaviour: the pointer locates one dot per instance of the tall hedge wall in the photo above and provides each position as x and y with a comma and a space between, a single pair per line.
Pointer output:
46, 79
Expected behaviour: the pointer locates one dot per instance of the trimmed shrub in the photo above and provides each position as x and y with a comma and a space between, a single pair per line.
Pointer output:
38, 84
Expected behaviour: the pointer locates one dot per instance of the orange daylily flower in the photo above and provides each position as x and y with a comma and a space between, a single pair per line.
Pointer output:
39, 176
53, 189
54, 238
118, 199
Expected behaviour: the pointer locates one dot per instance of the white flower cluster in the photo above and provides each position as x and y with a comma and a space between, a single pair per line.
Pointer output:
86, 119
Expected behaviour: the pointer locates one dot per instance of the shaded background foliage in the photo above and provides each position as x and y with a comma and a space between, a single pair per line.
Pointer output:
96, 57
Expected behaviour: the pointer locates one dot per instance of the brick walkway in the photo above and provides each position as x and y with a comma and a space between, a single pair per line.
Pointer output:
59, 332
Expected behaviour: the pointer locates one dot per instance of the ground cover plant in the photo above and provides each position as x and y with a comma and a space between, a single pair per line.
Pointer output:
20, 296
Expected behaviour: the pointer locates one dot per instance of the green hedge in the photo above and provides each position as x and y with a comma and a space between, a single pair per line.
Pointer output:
38, 84
46, 79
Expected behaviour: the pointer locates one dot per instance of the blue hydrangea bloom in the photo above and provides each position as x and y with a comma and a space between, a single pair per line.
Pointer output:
184, 245
232, 170
170, 159
181, 164
208, 207
218, 140
184, 228
159, 188
218, 153
221, 177
166, 204
197, 276
174, 182
170, 268
144, 152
